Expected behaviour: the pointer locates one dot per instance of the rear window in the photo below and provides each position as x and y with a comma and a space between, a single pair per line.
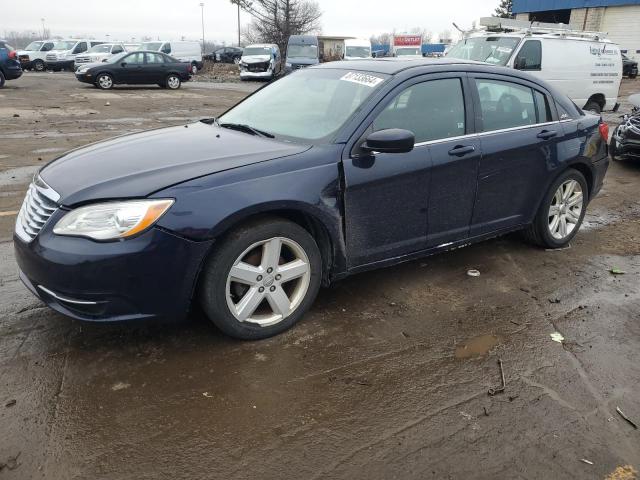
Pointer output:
567, 110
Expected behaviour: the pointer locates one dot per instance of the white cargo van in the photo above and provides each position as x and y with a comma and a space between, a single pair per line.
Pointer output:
64, 52
189, 52
585, 66
34, 55
355, 48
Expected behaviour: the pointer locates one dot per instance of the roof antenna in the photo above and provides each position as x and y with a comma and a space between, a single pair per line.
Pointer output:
458, 28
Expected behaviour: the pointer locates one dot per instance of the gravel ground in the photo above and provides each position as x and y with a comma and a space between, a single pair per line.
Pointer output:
386, 377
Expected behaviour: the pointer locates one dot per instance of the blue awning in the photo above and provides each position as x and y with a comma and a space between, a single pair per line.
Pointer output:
525, 6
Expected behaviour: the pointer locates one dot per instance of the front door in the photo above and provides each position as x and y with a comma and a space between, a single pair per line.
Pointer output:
389, 197
519, 146
131, 70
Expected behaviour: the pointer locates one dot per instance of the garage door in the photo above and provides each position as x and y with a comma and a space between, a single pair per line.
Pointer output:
622, 25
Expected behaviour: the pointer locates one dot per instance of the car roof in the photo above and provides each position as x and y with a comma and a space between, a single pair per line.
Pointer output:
261, 45
394, 65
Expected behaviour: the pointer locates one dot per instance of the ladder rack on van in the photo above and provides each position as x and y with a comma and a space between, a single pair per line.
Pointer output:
496, 24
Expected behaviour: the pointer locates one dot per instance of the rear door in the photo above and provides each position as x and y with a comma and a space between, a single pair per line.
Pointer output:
155, 68
519, 138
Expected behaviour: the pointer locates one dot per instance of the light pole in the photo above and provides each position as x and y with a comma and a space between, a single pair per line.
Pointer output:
238, 24
43, 30
202, 9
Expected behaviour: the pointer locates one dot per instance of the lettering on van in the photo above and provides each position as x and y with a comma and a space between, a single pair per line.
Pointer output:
604, 50
362, 79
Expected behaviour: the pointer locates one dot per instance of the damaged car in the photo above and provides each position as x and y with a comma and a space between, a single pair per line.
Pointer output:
260, 61
248, 214
625, 141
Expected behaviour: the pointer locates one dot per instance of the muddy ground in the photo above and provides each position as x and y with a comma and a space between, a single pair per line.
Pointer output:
386, 377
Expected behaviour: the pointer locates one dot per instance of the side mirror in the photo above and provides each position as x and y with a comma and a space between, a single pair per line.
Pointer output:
520, 63
123, 64
392, 140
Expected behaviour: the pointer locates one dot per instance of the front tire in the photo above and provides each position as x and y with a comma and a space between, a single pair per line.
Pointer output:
262, 279
561, 212
39, 66
2, 79
104, 81
173, 82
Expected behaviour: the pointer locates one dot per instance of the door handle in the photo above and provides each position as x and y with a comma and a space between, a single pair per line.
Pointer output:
461, 150
547, 134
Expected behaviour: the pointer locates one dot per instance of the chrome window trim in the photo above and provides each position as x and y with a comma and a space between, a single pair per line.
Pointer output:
65, 299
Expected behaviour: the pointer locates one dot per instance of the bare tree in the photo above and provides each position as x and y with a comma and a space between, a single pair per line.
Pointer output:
22, 39
423, 32
274, 21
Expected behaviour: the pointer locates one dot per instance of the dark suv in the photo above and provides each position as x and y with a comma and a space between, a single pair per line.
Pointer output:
10, 68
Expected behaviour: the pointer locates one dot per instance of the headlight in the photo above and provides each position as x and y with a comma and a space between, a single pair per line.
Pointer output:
112, 220
83, 70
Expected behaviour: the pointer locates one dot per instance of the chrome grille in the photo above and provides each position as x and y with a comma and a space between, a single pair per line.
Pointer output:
83, 59
37, 208
51, 57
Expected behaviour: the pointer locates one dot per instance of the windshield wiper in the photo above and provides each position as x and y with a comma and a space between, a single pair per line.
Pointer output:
241, 127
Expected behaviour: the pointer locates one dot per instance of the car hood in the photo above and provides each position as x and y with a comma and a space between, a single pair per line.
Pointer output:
137, 165
256, 58
92, 65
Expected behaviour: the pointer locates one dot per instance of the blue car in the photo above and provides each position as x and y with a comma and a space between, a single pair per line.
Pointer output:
10, 68
333, 170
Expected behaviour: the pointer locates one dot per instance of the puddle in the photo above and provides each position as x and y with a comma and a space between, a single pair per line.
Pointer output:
48, 150
28, 114
477, 346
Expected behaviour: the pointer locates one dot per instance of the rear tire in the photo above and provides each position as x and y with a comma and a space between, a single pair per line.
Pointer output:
173, 82
273, 297
593, 106
544, 231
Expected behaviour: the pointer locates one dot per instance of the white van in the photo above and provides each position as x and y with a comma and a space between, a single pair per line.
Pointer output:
64, 52
34, 55
189, 52
261, 60
99, 53
355, 48
585, 66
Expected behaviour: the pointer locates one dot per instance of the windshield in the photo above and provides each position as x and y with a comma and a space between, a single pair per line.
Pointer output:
359, 52
34, 46
155, 46
409, 51
324, 100
302, 51
494, 50
64, 45
257, 51
103, 48
116, 58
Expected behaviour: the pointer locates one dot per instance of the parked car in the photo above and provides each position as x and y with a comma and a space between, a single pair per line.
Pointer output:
584, 66
302, 51
629, 67
226, 55
377, 162
99, 53
10, 68
260, 61
189, 52
136, 68
34, 55
625, 141
63, 54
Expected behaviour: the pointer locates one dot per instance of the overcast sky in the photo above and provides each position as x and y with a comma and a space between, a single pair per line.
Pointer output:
170, 19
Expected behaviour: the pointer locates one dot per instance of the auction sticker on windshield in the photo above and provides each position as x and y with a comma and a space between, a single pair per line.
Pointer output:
362, 79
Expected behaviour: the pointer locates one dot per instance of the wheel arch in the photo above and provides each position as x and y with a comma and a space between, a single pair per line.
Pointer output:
599, 98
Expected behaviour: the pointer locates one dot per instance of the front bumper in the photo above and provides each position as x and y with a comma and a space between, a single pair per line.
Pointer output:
60, 65
84, 77
268, 75
150, 276
625, 146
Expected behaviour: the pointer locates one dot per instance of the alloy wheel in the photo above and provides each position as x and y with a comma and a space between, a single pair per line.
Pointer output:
268, 281
173, 82
566, 209
105, 82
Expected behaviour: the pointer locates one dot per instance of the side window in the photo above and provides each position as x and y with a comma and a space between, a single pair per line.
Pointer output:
134, 59
46, 47
530, 56
80, 47
155, 58
505, 105
542, 105
166, 48
432, 110
117, 49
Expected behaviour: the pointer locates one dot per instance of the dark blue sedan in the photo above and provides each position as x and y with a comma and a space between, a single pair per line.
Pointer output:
330, 171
